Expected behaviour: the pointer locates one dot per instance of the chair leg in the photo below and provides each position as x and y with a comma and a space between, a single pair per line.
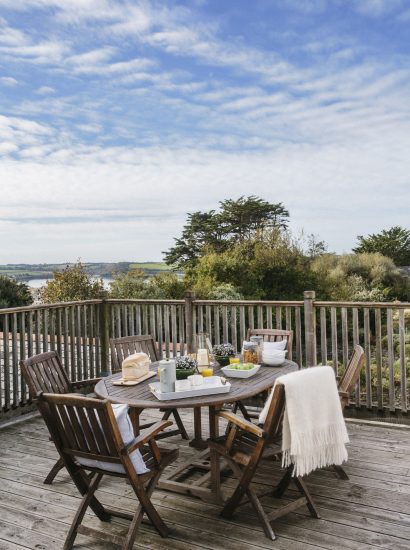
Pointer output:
180, 424
83, 481
78, 518
243, 410
244, 476
59, 465
181, 427
301, 485
139, 514
283, 483
147, 507
233, 502
237, 496
340, 472
238, 405
166, 414
267, 527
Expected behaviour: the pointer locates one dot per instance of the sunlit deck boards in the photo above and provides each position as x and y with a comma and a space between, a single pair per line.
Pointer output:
371, 510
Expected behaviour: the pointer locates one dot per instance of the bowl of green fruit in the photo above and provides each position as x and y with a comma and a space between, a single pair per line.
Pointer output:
240, 370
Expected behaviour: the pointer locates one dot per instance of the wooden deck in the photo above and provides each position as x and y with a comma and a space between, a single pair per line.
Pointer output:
371, 510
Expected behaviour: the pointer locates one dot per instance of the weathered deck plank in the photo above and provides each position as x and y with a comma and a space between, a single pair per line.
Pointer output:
371, 510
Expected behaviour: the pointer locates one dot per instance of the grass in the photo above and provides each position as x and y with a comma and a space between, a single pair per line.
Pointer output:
160, 266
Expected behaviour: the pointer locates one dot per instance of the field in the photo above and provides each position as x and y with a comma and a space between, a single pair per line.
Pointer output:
25, 272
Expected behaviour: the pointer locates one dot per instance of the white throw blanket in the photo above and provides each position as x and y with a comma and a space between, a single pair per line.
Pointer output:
314, 430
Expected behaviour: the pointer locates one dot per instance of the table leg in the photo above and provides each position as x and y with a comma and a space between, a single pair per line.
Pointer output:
198, 442
208, 461
214, 456
135, 419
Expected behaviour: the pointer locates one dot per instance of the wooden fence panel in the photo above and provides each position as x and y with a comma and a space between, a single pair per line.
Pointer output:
80, 333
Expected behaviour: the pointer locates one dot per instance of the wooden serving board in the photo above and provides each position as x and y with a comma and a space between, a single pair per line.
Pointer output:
122, 382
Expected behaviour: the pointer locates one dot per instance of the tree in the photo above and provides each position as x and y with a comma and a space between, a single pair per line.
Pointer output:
13, 294
236, 221
249, 217
136, 285
359, 277
72, 284
129, 285
166, 285
201, 230
315, 247
393, 243
273, 268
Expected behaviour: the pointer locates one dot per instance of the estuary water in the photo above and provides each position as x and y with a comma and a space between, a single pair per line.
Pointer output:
38, 283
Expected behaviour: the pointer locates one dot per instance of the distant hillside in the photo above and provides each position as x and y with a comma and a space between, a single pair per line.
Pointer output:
25, 272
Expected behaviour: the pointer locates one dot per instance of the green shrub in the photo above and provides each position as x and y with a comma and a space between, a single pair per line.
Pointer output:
13, 294
72, 284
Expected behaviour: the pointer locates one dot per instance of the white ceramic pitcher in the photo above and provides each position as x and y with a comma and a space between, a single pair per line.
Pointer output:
167, 369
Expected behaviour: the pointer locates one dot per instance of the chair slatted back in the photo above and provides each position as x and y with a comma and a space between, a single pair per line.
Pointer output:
82, 426
351, 375
123, 347
273, 423
45, 373
273, 335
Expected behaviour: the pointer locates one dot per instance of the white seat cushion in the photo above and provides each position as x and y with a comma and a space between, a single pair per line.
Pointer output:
127, 433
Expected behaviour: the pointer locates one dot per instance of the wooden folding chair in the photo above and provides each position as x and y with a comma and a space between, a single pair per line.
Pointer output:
346, 384
274, 335
269, 335
45, 373
122, 348
243, 447
86, 428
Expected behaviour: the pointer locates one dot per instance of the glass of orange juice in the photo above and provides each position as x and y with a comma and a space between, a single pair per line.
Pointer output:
207, 371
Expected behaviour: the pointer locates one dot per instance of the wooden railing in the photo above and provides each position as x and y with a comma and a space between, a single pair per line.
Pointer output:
324, 333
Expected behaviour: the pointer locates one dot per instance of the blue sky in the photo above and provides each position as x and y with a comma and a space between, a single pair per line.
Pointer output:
118, 117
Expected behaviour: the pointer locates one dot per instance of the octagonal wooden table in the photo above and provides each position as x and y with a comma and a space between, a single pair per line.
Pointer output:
140, 397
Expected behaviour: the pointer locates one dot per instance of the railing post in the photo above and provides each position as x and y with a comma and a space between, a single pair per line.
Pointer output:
104, 337
310, 333
189, 321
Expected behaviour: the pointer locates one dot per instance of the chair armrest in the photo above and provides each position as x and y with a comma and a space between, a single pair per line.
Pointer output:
88, 382
344, 394
146, 435
241, 423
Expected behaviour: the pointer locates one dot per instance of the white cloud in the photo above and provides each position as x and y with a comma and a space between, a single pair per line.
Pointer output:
376, 8
8, 81
92, 57
7, 147
90, 128
136, 20
48, 52
45, 90
10, 36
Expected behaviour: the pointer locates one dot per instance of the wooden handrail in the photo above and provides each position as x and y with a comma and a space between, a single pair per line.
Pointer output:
56, 305
283, 303
382, 305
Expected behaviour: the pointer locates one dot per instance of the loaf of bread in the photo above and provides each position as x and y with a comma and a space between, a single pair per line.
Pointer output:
135, 366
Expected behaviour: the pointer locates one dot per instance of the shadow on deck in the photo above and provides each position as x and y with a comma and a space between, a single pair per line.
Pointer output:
371, 510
